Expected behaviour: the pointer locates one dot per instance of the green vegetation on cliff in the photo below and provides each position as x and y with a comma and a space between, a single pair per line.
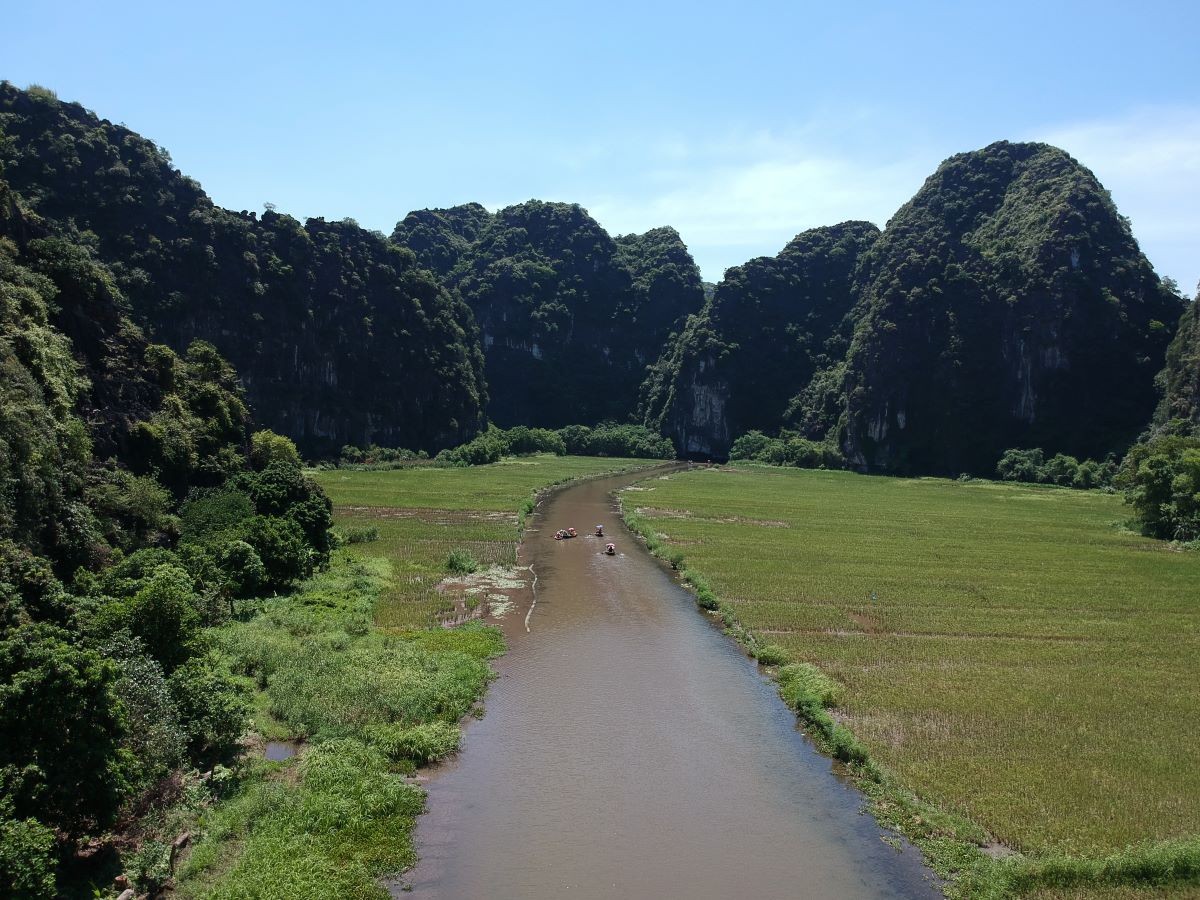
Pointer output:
771, 325
131, 520
340, 336
1006, 305
1179, 410
569, 317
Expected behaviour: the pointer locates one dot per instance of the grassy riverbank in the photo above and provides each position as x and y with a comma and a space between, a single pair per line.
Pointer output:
351, 666
417, 516
1009, 653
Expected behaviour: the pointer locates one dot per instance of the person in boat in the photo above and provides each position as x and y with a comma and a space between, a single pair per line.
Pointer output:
599, 531
571, 532
611, 549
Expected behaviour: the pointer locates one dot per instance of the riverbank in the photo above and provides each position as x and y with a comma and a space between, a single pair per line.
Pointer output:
992, 661
354, 672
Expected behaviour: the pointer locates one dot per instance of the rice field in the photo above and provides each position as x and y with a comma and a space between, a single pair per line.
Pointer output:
1012, 653
422, 513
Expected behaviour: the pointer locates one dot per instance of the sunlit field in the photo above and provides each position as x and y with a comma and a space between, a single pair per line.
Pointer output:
422, 513
1011, 652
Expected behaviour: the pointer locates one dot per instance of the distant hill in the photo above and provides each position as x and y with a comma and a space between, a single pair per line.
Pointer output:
569, 317
770, 326
1006, 305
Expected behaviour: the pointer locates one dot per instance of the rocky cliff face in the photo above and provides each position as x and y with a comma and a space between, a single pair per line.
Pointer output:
1179, 381
569, 317
339, 335
1007, 304
771, 324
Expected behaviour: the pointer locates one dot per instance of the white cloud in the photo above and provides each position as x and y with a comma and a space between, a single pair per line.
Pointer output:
732, 199
1149, 160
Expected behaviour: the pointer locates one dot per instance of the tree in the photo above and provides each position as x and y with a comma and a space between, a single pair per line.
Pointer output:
267, 447
60, 759
1161, 480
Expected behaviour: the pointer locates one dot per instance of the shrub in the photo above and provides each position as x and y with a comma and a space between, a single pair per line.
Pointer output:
281, 546
361, 534
164, 614
1021, 465
803, 684
267, 447
27, 857
209, 512
241, 568
62, 724
212, 707
789, 449
1031, 466
611, 439
461, 562
423, 744
772, 655
154, 735
1161, 481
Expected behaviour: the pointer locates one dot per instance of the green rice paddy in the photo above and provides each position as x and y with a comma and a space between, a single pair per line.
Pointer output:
423, 513
1012, 653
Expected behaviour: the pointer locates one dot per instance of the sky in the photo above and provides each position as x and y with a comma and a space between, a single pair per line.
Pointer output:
738, 124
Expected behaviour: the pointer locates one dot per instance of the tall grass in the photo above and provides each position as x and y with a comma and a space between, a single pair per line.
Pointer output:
371, 702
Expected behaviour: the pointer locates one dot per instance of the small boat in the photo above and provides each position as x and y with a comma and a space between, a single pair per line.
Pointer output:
599, 531
565, 534
611, 550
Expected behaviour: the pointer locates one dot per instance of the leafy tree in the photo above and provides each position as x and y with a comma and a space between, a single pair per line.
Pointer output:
165, 615
212, 707
267, 447
280, 545
60, 760
27, 855
1161, 480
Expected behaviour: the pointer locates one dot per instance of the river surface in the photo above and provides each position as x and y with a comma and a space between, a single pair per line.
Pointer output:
630, 749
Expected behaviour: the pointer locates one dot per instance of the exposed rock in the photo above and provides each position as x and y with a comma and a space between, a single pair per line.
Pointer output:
772, 324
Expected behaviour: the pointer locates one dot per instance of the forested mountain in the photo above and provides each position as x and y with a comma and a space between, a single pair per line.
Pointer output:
134, 506
1006, 305
1179, 410
569, 317
771, 324
339, 335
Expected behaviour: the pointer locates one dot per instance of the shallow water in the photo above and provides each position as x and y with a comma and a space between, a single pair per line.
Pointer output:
630, 749
278, 751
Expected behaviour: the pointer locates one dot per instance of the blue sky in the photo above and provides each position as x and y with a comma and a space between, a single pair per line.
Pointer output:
739, 124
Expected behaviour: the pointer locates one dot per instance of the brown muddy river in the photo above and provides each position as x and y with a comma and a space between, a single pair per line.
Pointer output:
631, 750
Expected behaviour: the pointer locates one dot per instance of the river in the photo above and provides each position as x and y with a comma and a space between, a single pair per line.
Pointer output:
630, 749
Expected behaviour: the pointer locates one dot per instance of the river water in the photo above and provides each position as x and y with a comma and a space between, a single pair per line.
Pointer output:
629, 749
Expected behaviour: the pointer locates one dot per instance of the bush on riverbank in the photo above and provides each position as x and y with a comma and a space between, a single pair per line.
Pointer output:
1032, 467
788, 449
492, 445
